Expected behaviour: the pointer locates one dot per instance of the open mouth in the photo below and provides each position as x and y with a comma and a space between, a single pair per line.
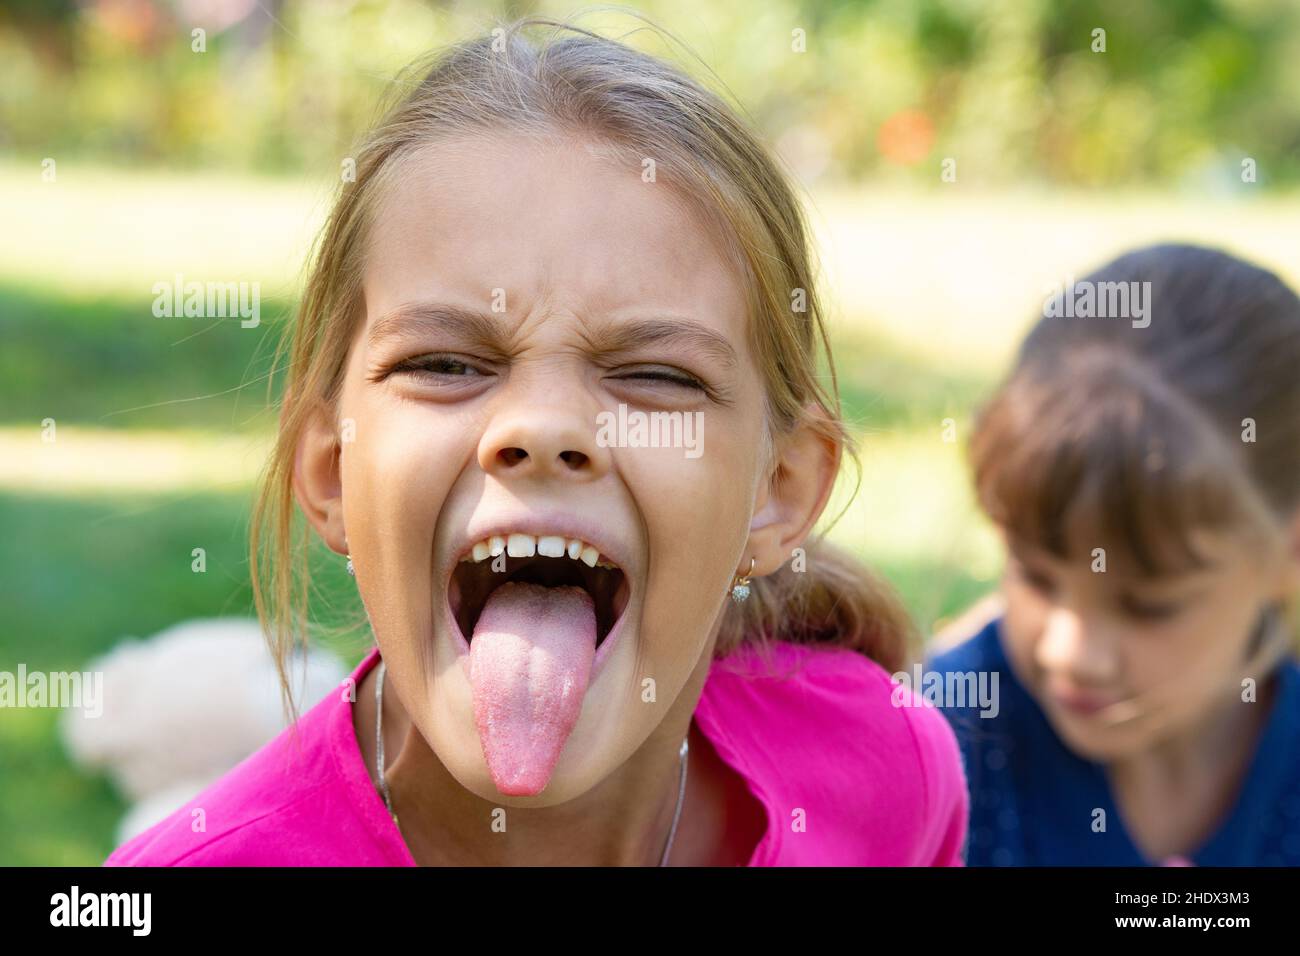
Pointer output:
473, 581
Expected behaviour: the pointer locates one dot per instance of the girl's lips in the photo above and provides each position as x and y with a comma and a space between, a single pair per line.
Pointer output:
461, 643
1084, 704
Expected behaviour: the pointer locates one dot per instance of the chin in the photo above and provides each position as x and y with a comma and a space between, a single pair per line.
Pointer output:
1097, 744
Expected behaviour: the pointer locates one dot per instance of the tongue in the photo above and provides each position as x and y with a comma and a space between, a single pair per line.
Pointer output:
529, 659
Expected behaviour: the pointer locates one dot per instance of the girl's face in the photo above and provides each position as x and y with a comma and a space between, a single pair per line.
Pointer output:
515, 290
1088, 643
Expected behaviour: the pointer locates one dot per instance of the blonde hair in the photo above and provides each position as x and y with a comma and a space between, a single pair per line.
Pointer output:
636, 105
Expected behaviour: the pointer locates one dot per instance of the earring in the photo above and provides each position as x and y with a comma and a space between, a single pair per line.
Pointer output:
740, 588
351, 570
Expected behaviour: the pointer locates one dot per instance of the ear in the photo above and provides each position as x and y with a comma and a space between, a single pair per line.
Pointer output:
794, 497
316, 482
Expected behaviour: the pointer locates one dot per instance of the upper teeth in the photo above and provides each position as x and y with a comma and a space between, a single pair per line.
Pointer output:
527, 545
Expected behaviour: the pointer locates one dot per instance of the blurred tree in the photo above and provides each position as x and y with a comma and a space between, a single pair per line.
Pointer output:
1013, 89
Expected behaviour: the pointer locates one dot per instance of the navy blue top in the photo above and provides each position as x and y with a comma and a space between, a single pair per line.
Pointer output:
1033, 801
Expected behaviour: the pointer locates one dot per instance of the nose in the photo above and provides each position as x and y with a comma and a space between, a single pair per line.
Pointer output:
543, 441
1085, 651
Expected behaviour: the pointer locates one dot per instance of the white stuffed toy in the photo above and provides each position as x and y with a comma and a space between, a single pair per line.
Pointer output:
183, 707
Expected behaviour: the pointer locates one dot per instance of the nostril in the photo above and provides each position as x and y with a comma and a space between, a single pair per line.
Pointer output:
512, 456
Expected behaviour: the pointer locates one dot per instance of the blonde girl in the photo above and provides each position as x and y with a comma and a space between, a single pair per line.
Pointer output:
592, 647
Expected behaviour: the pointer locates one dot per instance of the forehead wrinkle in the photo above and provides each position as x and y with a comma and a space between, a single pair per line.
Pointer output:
638, 333
418, 318
606, 337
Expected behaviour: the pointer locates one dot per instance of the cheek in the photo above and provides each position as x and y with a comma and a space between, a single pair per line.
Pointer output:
1216, 633
1023, 623
396, 474
697, 515
696, 507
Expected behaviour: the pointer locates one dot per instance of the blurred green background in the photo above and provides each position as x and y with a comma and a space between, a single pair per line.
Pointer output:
127, 157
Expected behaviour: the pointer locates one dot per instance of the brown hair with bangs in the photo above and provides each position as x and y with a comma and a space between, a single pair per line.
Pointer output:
1107, 433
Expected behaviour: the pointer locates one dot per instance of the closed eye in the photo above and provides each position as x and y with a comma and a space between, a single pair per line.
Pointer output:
663, 375
439, 366
436, 366
1034, 578
1148, 611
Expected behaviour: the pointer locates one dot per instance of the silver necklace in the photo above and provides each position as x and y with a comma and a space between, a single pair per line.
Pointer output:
388, 800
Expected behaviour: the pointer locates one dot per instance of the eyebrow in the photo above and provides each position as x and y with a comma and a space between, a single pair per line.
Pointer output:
470, 324
1039, 560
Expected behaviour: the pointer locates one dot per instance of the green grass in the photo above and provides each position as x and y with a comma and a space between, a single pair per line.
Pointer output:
106, 360
81, 574
51, 813
885, 386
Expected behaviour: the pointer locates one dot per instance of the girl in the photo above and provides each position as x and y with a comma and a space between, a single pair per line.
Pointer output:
590, 648
1144, 471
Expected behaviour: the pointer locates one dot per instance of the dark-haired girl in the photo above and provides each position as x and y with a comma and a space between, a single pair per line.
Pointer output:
1145, 476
